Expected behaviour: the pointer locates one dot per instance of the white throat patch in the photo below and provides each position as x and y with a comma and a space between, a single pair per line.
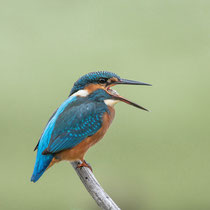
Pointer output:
110, 102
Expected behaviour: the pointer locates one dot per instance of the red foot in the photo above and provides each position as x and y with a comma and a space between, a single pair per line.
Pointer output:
84, 164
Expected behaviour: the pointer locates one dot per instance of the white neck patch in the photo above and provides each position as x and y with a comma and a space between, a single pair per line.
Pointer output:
84, 93
81, 93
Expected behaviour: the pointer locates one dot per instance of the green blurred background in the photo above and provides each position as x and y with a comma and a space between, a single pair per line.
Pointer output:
158, 160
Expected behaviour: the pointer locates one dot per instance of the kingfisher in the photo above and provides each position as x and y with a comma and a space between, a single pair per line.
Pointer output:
80, 121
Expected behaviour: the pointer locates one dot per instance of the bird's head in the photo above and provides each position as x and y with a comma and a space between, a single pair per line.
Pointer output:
104, 80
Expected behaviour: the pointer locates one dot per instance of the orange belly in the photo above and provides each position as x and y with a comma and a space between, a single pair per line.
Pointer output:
78, 152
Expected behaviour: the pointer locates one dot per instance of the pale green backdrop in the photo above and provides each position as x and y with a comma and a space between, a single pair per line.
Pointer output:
158, 160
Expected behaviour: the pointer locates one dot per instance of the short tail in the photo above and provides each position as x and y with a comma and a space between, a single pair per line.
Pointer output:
42, 162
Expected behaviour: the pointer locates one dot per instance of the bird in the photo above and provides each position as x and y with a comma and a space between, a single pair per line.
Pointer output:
80, 121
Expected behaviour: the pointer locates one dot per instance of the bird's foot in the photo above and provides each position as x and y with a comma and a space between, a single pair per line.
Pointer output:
85, 164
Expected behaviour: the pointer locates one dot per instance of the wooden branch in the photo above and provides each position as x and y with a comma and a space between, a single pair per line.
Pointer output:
94, 188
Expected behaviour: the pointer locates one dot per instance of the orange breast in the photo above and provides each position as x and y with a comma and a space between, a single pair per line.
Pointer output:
78, 152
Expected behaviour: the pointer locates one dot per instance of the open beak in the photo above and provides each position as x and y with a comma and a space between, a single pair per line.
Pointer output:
116, 96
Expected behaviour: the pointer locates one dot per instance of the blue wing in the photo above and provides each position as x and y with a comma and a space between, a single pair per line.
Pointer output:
42, 161
79, 120
76, 119
36, 147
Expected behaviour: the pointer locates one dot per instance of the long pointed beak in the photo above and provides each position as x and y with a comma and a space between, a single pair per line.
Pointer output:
120, 98
127, 82
130, 82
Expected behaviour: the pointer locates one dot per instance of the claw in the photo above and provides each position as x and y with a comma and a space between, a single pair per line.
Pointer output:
84, 164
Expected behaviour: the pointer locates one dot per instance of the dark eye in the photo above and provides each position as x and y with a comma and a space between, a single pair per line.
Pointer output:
102, 80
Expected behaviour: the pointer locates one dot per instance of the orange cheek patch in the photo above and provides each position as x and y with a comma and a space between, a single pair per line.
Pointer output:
92, 87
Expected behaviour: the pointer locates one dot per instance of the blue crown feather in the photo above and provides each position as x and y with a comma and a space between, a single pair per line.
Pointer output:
92, 77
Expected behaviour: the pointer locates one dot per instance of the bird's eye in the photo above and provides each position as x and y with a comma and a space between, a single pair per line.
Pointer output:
102, 80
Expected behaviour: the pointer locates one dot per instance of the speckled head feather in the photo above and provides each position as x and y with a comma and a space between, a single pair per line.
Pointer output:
89, 78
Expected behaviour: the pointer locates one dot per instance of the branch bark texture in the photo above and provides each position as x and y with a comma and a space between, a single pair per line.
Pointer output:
94, 188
